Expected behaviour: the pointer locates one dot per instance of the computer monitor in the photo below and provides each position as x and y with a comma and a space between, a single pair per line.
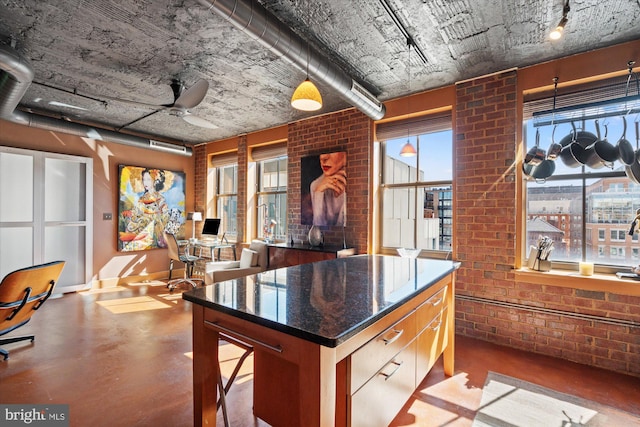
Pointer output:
211, 226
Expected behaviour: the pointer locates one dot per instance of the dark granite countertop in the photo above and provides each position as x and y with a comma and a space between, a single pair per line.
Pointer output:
324, 302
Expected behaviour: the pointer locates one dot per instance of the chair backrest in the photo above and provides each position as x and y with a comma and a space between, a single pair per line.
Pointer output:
262, 249
24, 291
172, 245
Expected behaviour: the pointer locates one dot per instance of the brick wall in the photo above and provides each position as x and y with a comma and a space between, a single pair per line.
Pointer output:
486, 134
485, 141
349, 131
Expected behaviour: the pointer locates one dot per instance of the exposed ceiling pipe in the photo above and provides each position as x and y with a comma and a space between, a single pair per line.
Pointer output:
255, 20
16, 75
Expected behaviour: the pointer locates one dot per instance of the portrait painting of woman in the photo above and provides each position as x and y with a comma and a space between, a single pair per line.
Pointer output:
324, 189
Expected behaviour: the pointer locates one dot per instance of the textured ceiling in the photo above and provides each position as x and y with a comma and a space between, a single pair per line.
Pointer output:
133, 49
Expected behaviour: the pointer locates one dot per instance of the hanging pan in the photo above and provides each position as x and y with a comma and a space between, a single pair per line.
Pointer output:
601, 152
633, 171
573, 152
625, 149
542, 170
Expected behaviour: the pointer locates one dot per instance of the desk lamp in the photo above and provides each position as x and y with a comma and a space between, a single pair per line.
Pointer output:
194, 216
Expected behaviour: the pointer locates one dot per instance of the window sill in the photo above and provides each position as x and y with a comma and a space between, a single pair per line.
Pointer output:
572, 279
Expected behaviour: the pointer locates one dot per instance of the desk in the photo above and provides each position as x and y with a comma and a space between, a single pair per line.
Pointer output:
213, 245
327, 336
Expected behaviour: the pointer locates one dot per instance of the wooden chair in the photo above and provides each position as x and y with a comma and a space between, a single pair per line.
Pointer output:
22, 292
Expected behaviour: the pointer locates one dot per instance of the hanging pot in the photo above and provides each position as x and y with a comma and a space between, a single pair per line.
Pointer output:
601, 152
555, 148
625, 149
535, 155
571, 152
633, 171
542, 171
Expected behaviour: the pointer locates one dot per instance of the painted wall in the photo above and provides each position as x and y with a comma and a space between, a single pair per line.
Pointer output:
108, 263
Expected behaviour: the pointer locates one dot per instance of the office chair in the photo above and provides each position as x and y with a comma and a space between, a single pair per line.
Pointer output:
22, 292
180, 253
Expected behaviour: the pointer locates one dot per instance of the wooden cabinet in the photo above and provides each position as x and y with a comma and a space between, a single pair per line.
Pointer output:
385, 371
287, 256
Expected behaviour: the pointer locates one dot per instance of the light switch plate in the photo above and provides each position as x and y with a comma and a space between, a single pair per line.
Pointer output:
107, 216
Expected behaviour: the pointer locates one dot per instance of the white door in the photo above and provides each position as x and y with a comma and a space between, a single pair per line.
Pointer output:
46, 214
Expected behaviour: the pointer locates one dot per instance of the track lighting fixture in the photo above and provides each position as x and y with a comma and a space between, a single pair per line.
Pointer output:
557, 32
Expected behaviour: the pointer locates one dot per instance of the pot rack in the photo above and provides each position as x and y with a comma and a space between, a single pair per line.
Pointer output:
629, 105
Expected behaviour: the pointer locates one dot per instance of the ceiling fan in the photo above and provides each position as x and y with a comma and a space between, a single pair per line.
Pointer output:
184, 100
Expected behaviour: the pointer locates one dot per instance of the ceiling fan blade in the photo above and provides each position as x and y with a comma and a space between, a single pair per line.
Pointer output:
198, 121
192, 96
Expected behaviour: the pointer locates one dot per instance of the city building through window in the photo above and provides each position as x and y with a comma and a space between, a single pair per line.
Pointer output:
585, 207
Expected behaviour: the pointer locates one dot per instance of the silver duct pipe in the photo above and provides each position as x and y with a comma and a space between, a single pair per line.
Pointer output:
16, 75
252, 18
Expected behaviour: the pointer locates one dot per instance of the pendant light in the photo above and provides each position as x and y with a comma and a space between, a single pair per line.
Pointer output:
408, 150
306, 97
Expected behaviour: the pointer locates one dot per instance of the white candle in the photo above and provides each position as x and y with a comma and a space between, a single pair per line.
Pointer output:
586, 268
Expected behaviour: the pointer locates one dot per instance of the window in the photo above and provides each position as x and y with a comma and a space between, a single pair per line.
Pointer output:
223, 175
618, 235
272, 199
417, 191
594, 198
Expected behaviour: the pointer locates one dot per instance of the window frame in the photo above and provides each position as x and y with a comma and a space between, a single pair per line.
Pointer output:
581, 101
418, 186
276, 212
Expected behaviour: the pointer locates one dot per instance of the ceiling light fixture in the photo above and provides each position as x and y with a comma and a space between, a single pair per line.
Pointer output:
306, 97
557, 33
408, 150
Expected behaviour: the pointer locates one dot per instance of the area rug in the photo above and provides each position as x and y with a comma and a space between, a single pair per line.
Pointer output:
510, 402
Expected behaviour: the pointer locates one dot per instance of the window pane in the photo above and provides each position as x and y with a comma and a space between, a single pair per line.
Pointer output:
397, 169
272, 216
228, 211
228, 179
398, 225
273, 175
436, 156
594, 227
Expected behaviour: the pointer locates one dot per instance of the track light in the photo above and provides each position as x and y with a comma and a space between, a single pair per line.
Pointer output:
557, 33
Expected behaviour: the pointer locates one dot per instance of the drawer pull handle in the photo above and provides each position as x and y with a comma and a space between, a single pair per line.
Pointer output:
437, 326
244, 337
437, 302
398, 334
397, 366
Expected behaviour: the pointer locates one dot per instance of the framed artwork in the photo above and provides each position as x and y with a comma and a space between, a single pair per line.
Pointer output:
150, 201
324, 189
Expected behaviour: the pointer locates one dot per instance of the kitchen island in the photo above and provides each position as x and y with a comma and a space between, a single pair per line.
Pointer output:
338, 342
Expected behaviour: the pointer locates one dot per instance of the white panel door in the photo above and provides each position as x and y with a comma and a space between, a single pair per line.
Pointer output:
46, 214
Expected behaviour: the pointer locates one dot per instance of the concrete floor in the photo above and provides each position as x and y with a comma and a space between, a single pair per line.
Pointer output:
121, 357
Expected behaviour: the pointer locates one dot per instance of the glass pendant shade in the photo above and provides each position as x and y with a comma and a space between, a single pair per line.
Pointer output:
408, 150
306, 97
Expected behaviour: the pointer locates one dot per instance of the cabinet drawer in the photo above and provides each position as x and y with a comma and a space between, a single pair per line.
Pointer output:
431, 343
371, 357
426, 312
382, 397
